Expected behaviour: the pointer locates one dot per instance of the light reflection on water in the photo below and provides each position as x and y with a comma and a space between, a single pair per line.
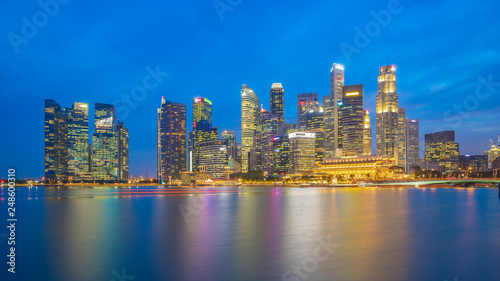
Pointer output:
253, 233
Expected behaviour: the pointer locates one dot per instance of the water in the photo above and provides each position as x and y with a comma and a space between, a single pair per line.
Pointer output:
254, 233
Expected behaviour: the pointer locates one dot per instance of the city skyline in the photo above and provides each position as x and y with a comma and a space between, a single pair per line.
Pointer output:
429, 84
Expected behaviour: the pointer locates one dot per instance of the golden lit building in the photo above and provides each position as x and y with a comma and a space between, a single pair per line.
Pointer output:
250, 123
387, 112
441, 148
361, 167
367, 134
302, 152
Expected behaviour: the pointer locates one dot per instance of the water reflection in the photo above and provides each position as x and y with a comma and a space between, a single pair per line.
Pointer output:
256, 233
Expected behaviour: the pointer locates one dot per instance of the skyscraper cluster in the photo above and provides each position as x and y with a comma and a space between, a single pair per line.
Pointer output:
69, 155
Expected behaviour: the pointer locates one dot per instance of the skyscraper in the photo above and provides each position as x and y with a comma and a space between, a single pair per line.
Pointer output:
56, 139
315, 124
172, 132
330, 105
281, 155
302, 152
213, 157
105, 142
352, 120
367, 134
277, 102
401, 158
305, 102
387, 112
441, 148
250, 123
78, 141
270, 123
412, 141
232, 147
202, 127
123, 152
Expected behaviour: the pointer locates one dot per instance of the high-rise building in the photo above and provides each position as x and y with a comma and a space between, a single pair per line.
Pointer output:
281, 156
172, 131
202, 127
213, 158
352, 120
56, 140
78, 141
105, 142
202, 132
202, 111
232, 146
330, 105
367, 134
401, 158
473, 162
250, 124
277, 102
387, 112
302, 152
270, 122
123, 152
412, 141
315, 124
305, 102
441, 148
493, 153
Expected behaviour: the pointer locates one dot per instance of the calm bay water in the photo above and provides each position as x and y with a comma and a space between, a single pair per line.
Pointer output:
253, 233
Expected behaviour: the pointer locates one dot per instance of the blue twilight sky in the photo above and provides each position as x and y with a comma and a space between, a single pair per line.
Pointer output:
97, 51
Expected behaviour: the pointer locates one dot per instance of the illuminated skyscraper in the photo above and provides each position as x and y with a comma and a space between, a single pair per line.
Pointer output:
270, 122
315, 124
78, 141
402, 141
105, 144
330, 105
281, 158
387, 112
123, 152
56, 140
232, 147
352, 120
250, 124
202, 127
277, 101
302, 152
367, 134
305, 102
441, 148
171, 138
202, 111
213, 158
412, 141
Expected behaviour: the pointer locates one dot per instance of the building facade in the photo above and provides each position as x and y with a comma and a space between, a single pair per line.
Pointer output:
413, 146
441, 148
305, 102
56, 139
333, 131
123, 152
250, 124
302, 152
315, 124
278, 102
367, 134
401, 158
105, 144
171, 140
387, 113
352, 120
214, 158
